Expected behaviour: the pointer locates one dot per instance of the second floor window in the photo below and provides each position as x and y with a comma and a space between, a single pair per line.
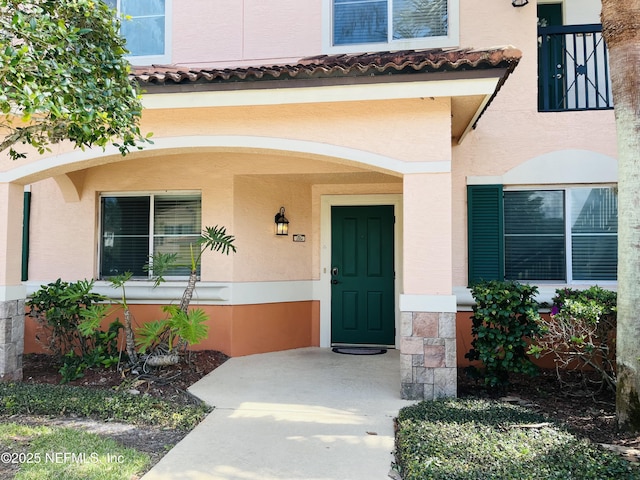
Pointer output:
394, 23
145, 27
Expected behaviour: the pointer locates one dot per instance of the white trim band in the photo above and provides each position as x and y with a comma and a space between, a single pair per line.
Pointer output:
206, 293
12, 292
428, 303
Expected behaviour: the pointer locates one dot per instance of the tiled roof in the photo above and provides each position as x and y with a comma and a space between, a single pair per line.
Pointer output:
336, 66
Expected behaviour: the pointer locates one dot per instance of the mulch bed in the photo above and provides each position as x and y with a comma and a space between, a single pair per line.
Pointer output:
585, 413
169, 383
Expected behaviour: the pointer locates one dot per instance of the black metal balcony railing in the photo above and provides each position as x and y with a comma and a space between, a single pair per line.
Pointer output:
573, 69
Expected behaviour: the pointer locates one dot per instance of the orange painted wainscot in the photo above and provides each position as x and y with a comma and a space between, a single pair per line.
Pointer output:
235, 330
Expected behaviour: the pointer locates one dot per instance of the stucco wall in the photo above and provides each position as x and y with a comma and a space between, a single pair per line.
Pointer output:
266, 256
248, 31
512, 131
64, 235
410, 130
241, 188
251, 32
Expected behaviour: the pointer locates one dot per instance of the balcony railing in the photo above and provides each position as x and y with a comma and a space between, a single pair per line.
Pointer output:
573, 69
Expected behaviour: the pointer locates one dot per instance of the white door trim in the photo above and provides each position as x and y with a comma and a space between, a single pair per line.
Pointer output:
324, 286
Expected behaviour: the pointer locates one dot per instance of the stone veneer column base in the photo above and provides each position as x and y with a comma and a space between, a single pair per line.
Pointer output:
11, 339
428, 364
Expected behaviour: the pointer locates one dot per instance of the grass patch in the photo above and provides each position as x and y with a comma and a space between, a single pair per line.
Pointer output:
484, 440
56, 400
44, 453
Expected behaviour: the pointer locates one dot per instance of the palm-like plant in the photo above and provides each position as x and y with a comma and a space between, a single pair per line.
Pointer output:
182, 327
211, 238
178, 329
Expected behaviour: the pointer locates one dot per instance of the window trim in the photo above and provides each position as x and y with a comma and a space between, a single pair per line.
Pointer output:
452, 39
155, 59
144, 193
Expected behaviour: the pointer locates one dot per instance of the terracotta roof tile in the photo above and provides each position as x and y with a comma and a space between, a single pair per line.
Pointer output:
342, 65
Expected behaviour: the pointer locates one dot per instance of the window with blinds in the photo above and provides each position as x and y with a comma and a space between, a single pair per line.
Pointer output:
144, 27
420, 18
594, 233
384, 21
534, 235
133, 228
562, 235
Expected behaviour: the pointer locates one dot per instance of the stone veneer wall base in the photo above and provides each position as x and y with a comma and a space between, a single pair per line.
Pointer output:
11, 339
428, 364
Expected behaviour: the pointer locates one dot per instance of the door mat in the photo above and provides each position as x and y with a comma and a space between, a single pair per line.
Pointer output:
360, 350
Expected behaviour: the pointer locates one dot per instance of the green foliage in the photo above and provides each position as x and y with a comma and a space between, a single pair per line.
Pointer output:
103, 353
60, 308
64, 76
159, 264
186, 328
581, 332
119, 281
43, 399
182, 326
504, 319
484, 440
216, 240
590, 304
70, 316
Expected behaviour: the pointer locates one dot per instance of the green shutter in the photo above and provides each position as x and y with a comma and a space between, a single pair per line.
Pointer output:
486, 232
25, 236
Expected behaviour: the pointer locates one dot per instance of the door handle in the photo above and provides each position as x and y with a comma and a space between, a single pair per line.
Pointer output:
334, 282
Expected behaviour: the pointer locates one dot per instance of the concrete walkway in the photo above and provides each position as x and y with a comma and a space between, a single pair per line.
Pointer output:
305, 414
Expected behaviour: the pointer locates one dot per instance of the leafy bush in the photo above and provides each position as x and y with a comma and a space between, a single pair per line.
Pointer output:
58, 308
70, 314
505, 317
485, 440
103, 353
581, 333
42, 399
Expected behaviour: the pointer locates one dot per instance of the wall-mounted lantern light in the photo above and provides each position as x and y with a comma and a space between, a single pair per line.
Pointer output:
282, 224
519, 3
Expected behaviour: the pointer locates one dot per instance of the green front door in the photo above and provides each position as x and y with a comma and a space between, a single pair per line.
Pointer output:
362, 275
552, 68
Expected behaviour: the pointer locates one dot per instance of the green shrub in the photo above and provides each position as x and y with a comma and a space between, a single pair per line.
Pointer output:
58, 307
70, 314
505, 318
581, 333
485, 440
